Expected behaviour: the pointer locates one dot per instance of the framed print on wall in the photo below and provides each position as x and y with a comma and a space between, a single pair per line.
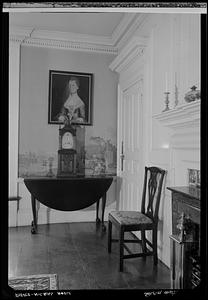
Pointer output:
70, 94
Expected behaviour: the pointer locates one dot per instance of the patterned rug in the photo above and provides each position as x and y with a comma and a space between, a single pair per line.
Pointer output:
34, 282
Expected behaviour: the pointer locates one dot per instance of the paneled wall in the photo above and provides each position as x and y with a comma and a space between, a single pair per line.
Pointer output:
170, 63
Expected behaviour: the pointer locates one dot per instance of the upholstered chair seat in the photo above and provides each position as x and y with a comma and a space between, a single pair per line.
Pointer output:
131, 218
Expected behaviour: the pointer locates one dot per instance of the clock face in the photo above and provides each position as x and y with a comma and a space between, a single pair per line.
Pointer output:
67, 141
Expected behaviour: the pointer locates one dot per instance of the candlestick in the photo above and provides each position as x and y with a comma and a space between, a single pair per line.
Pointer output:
176, 95
176, 90
166, 81
166, 101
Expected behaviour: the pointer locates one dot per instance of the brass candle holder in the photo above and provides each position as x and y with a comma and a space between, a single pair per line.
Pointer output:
176, 95
166, 101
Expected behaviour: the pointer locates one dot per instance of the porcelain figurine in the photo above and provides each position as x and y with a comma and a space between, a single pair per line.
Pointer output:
192, 95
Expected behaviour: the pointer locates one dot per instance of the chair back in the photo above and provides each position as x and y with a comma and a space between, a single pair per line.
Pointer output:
153, 181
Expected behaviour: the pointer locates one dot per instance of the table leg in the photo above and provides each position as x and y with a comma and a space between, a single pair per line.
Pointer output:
97, 212
34, 222
103, 211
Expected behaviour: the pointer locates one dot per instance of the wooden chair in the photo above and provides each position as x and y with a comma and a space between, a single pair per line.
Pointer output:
147, 219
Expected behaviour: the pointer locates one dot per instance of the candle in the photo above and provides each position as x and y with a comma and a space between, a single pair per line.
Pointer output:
166, 81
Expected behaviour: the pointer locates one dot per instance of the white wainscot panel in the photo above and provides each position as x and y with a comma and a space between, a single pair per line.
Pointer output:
13, 212
183, 153
184, 159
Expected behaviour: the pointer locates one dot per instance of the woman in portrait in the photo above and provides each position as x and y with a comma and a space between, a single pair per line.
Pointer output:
73, 108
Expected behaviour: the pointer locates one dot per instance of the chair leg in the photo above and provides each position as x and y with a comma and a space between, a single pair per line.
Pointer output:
121, 248
154, 239
109, 235
144, 246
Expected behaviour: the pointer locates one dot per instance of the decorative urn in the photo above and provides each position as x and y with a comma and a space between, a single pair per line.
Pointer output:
192, 95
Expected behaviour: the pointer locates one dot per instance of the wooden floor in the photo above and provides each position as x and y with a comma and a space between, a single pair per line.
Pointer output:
77, 253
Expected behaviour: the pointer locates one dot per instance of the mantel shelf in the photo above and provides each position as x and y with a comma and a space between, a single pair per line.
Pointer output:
183, 115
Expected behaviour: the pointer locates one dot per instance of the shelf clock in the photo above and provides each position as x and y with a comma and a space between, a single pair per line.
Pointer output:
67, 153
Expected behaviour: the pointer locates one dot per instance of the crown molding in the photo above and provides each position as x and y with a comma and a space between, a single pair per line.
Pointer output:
31, 36
19, 34
20, 31
119, 31
67, 45
72, 37
128, 31
132, 50
16, 39
62, 40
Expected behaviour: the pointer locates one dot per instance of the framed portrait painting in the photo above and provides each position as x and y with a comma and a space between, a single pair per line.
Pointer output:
70, 95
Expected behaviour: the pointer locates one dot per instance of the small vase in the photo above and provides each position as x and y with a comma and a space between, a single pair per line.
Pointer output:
192, 95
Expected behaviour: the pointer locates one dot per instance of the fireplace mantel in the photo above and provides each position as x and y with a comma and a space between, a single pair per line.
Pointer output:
184, 122
183, 116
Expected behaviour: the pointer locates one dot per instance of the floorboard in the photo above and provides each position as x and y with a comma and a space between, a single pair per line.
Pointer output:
77, 253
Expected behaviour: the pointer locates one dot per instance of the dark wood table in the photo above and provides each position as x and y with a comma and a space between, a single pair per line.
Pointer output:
68, 194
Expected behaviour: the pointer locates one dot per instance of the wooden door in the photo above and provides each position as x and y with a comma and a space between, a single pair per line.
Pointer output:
130, 166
